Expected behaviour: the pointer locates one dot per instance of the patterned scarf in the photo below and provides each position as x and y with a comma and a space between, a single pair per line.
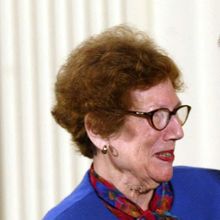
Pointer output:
125, 209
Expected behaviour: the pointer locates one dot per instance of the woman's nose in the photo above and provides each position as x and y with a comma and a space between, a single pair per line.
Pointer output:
174, 130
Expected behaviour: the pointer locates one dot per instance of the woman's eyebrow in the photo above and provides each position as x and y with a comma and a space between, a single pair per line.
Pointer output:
178, 104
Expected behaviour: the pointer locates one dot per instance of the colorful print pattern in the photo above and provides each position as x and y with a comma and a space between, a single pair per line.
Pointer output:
125, 209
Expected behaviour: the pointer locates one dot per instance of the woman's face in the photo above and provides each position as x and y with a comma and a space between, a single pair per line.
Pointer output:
144, 152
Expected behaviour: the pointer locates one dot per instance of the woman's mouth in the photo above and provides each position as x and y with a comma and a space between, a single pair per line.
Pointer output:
167, 156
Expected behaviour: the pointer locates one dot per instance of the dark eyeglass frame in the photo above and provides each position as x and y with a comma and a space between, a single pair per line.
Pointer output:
149, 115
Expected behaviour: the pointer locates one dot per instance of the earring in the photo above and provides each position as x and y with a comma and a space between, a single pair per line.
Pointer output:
104, 149
113, 151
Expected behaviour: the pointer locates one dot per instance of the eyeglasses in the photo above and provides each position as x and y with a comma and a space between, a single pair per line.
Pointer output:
160, 118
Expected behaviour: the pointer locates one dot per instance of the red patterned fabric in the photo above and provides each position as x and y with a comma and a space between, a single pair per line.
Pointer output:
125, 209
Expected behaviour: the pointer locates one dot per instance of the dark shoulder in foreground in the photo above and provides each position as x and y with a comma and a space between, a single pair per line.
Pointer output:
192, 178
195, 173
196, 193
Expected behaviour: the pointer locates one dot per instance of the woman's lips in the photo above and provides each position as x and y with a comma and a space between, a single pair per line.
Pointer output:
167, 156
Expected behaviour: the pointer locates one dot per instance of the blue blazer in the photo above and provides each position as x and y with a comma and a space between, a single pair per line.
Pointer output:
196, 197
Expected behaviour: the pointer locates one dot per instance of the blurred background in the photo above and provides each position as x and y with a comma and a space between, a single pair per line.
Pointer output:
38, 163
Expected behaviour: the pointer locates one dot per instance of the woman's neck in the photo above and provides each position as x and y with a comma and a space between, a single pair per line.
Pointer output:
138, 192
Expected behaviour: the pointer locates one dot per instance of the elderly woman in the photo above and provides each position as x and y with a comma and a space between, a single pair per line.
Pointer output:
116, 95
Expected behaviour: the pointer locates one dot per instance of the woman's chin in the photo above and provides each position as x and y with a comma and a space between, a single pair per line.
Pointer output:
163, 174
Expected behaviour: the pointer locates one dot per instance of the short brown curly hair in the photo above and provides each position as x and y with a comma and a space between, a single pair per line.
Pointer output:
98, 76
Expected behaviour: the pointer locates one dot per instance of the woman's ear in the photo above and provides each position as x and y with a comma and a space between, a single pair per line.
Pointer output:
95, 138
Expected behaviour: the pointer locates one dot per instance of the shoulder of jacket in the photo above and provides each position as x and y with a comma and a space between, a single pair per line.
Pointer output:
70, 205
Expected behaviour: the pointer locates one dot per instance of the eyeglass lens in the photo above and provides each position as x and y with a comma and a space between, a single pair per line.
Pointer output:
182, 114
161, 118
